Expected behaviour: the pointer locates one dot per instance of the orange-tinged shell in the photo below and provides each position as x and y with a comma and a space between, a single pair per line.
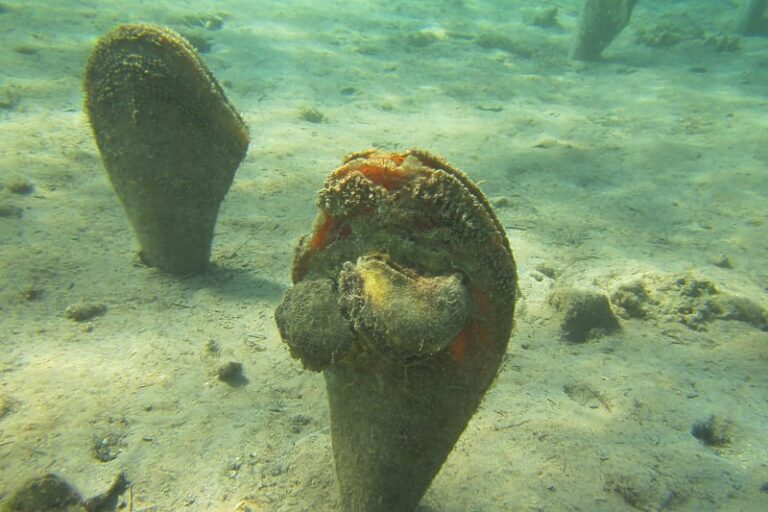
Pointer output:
424, 215
425, 283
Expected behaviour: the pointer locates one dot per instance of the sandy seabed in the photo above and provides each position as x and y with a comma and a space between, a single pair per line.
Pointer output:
641, 177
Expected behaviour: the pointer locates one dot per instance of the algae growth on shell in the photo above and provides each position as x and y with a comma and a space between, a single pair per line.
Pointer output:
169, 139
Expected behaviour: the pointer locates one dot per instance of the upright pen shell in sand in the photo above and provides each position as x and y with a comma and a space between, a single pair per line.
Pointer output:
403, 296
169, 139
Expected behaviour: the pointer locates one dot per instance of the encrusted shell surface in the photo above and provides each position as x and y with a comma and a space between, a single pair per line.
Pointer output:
424, 282
169, 139
418, 213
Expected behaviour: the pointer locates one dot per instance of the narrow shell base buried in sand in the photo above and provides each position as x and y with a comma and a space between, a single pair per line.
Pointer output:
600, 21
169, 138
403, 296
751, 18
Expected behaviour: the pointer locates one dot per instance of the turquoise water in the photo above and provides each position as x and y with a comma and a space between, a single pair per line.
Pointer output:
638, 177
